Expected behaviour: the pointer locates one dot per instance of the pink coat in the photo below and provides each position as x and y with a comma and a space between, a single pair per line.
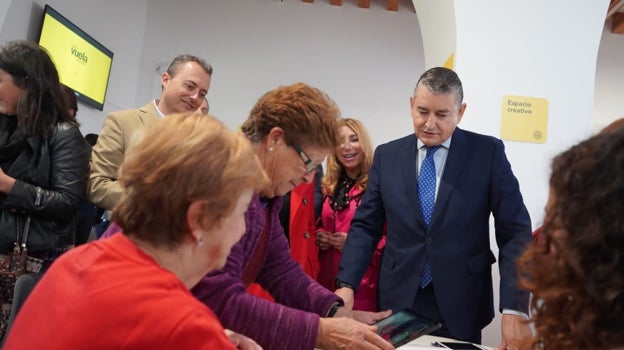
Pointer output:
340, 221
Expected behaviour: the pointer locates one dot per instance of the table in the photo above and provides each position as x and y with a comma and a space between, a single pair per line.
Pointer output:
424, 343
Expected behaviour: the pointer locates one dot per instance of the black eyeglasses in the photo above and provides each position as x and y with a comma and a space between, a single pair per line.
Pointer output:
309, 164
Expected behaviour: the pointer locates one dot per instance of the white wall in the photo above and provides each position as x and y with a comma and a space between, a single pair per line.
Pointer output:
529, 48
117, 24
368, 60
609, 91
437, 25
4, 9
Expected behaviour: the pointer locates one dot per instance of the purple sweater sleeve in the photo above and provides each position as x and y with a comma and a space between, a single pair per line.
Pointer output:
292, 321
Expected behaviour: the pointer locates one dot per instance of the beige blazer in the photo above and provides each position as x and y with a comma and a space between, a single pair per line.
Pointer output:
121, 129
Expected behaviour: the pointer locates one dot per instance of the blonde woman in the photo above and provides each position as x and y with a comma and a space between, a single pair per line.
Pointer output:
343, 188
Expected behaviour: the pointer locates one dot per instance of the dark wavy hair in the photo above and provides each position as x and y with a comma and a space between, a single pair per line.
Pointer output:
576, 274
41, 106
69, 97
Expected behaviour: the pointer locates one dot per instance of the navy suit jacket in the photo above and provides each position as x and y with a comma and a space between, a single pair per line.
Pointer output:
477, 181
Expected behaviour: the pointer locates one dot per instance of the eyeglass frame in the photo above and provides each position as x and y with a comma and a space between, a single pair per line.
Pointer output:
307, 161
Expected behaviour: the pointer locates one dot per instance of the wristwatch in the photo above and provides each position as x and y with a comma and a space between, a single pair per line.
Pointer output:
341, 284
333, 310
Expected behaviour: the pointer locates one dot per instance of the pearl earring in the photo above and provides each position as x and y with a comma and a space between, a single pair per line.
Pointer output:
200, 234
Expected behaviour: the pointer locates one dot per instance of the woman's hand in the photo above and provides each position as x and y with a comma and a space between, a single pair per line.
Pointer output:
347, 333
322, 239
6, 182
242, 342
337, 240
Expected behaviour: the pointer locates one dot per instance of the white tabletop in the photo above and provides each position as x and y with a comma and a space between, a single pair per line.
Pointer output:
425, 342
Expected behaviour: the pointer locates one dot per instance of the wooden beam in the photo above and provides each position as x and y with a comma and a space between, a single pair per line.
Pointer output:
392, 5
365, 4
617, 23
310, 1
336, 2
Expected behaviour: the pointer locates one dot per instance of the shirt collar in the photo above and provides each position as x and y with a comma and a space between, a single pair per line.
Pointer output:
160, 114
446, 144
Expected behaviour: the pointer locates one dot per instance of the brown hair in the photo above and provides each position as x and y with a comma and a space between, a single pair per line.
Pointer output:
181, 159
306, 114
180, 60
334, 168
615, 125
576, 274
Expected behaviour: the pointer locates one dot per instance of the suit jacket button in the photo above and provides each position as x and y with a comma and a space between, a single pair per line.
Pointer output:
306, 235
305, 201
428, 240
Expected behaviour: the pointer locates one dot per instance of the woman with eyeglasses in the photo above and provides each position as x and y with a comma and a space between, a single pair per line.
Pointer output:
292, 129
343, 187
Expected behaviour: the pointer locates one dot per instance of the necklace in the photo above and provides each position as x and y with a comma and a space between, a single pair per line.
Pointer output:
341, 198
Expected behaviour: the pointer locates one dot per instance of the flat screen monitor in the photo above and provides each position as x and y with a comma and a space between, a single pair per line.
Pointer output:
82, 63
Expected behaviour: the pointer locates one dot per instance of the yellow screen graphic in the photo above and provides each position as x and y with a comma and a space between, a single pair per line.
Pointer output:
80, 65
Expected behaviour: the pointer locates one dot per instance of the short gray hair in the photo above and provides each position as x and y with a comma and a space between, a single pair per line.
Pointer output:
440, 80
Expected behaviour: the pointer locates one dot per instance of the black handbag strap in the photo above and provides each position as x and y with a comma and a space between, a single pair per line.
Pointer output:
26, 230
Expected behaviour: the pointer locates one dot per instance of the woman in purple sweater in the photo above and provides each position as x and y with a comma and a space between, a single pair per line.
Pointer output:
292, 129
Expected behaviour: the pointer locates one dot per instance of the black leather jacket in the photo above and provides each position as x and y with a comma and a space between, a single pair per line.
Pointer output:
50, 184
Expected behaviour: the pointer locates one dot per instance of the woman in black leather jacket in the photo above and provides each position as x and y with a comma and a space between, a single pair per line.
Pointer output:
43, 156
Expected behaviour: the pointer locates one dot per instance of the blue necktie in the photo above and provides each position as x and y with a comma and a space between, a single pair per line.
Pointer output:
426, 194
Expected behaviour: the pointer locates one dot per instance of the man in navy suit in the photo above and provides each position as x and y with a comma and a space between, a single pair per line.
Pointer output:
473, 179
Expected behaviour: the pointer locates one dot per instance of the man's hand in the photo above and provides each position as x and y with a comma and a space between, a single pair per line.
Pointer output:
242, 342
368, 317
515, 329
346, 333
347, 297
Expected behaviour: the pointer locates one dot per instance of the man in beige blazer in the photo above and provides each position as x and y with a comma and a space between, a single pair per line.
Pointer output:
184, 88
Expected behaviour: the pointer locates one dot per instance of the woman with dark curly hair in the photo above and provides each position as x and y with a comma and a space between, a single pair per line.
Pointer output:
576, 273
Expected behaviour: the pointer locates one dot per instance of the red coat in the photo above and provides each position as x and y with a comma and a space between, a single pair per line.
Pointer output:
303, 229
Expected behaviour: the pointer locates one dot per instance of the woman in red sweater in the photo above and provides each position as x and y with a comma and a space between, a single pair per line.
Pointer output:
188, 184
